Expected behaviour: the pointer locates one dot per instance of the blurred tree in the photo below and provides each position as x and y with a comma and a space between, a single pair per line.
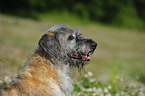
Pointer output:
128, 13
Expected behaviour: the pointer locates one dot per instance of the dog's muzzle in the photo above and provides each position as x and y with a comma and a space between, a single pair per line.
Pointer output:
85, 56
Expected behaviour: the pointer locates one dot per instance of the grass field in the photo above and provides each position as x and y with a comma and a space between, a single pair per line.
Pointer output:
120, 51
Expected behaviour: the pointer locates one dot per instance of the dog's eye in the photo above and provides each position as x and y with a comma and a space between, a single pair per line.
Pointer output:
71, 37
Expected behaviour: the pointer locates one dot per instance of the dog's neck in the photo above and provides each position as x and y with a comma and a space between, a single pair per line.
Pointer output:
41, 69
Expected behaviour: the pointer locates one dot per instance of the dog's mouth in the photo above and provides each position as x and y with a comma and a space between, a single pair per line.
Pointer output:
79, 56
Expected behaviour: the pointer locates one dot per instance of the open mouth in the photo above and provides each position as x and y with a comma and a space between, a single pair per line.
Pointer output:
81, 56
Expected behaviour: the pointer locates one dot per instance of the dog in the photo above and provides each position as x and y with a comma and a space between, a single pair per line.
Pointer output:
47, 72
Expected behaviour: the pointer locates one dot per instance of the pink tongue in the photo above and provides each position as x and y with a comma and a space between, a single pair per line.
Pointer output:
85, 57
88, 57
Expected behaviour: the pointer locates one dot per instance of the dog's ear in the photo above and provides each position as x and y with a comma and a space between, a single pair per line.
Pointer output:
46, 40
50, 43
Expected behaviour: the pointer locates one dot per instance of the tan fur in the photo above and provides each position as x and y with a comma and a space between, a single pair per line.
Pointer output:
50, 33
37, 78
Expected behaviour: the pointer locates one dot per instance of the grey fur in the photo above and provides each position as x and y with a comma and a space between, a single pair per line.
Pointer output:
60, 47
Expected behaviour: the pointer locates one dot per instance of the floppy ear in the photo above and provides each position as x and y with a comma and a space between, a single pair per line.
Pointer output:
50, 44
46, 40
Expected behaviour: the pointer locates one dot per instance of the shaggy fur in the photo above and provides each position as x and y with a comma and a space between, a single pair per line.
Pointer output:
47, 72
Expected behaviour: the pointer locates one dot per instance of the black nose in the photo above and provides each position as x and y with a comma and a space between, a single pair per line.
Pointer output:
93, 44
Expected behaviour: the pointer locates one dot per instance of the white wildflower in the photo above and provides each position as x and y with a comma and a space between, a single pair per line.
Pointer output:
133, 93
106, 90
109, 87
141, 89
99, 90
83, 89
89, 89
92, 80
90, 73
94, 94
117, 94
109, 94
79, 94
94, 89
122, 93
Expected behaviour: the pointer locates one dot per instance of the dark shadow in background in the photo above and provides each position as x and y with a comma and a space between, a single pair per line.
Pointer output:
125, 13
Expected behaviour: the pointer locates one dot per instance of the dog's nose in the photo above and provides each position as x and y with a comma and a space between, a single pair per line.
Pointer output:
93, 44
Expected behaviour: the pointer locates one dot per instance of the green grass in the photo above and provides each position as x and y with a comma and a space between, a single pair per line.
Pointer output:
126, 48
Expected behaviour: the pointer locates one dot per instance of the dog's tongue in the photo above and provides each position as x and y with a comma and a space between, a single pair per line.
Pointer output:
84, 57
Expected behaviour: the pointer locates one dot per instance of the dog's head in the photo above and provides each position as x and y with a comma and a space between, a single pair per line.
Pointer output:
61, 44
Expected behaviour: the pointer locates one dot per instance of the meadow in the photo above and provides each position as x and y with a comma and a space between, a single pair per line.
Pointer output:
120, 53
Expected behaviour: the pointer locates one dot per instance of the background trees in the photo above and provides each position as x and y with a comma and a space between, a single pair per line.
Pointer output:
127, 13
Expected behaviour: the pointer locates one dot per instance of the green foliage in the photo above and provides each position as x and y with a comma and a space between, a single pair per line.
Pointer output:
127, 17
63, 17
81, 11
126, 13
